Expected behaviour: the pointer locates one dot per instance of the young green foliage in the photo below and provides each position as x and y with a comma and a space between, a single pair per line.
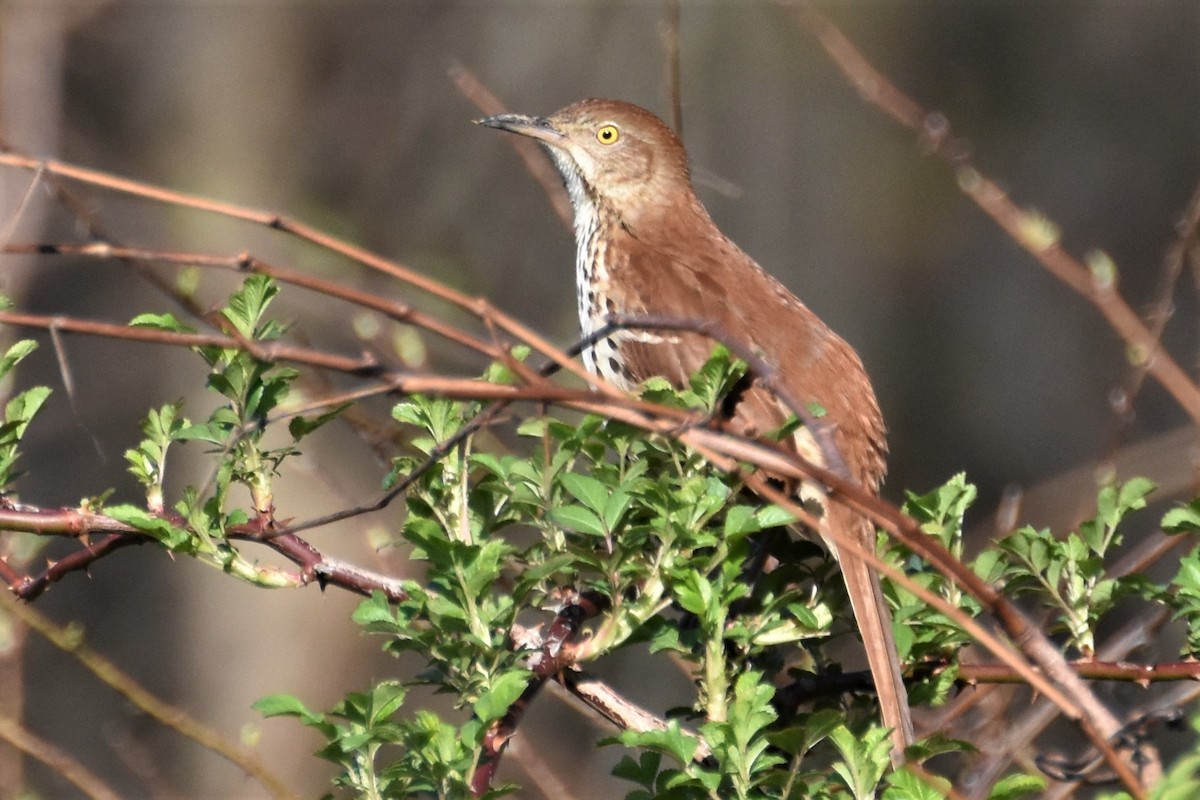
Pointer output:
924, 633
251, 389
1069, 574
18, 413
425, 756
148, 461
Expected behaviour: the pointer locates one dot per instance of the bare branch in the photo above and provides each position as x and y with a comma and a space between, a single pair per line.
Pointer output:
1033, 235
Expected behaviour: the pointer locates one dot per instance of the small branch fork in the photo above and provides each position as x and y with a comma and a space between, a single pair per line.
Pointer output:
1025, 654
554, 652
112, 535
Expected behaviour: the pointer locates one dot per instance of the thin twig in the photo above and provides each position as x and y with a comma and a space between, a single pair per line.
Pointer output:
529, 152
132, 691
669, 35
26, 741
1032, 234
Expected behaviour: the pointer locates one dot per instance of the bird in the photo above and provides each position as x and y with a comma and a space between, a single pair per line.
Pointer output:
647, 247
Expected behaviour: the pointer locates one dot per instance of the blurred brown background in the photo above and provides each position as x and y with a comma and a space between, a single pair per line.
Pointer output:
341, 114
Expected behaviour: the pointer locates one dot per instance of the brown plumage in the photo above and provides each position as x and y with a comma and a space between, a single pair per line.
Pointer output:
647, 247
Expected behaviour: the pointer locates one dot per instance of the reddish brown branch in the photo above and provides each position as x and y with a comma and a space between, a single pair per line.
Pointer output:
672, 78
713, 442
32, 587
933, 132
244, 213
1187, 234
244, 262
1055, 678
396, 380
1077, 701
554, 654
88, 222
268, 351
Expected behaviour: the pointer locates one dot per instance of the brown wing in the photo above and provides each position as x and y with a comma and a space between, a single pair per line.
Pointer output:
719, 282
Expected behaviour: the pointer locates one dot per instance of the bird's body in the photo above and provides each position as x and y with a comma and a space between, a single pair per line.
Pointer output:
646, 246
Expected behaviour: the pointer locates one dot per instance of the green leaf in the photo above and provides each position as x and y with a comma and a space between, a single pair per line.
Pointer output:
504, 691
499, 371
615, 508
773, 516
587, 490
492, 463
247, 306
941, 511
277, 705
1133, 493
18, 413
905, 785
578, 518
533, 427
386, 699
1183, 519
299, 427
664, 637
740, 520
161, 529
673, 741
22, 408
864, 759
15, 354
206, 432
715, 379
809, 731
160, 322
695, 594
374, 610
1012, 787
642, 772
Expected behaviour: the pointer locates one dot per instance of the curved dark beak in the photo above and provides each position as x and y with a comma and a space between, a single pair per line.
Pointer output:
533, 127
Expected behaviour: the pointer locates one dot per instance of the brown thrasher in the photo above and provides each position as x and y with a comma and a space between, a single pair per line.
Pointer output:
647, 247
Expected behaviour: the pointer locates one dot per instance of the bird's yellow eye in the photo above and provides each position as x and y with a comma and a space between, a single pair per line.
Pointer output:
607, 134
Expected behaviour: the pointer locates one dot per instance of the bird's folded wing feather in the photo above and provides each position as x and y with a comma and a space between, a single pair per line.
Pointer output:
815, 364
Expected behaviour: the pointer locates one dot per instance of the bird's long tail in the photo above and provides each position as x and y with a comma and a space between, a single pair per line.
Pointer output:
875, 625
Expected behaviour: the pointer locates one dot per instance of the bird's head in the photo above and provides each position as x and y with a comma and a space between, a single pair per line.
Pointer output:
612, 154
